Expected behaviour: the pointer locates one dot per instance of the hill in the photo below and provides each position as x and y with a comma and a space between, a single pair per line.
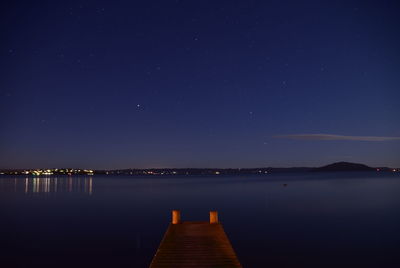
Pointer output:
345, 166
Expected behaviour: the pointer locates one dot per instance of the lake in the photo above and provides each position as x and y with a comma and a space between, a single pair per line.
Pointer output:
317, 220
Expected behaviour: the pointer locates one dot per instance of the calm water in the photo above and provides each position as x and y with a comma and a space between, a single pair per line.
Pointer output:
317, 220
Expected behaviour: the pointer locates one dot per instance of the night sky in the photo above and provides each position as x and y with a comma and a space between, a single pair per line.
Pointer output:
121, 84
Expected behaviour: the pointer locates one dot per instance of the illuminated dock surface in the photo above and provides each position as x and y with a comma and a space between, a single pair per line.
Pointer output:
195, 244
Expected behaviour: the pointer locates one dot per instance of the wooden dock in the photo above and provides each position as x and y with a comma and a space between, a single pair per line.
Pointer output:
195, 244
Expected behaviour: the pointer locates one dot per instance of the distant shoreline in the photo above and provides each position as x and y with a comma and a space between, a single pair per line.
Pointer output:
335, 167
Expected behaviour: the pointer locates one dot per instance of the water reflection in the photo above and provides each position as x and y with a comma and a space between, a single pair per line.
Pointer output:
47, 185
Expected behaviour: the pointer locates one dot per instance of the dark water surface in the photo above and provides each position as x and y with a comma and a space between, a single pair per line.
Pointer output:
317, 220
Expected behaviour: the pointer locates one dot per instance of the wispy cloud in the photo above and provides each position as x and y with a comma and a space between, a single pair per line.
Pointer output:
333, 137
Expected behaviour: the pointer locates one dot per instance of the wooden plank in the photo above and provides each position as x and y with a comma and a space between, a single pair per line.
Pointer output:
195, 244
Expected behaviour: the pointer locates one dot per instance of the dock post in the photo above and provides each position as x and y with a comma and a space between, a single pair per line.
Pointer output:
213, 217
176, 217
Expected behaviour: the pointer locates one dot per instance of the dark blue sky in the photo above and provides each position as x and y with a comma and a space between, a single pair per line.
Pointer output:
117, 84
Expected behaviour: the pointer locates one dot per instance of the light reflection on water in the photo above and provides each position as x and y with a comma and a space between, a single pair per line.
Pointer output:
35, 185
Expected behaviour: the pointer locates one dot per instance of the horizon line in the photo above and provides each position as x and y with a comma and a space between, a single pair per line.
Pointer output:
132, 168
